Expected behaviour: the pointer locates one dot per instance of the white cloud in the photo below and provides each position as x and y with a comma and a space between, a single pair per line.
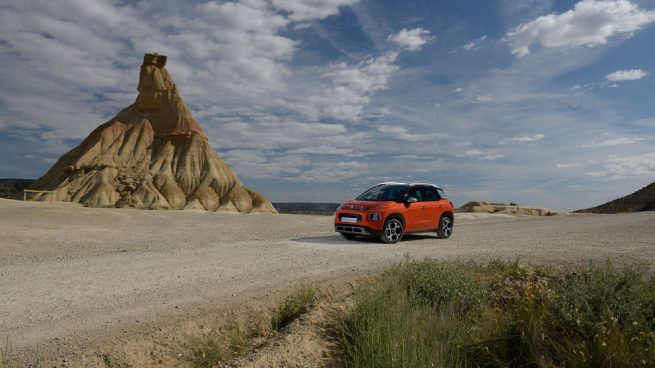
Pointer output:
227, 58
271, 134
626, 75
258, 164
411, 39
628, 167
574, 165
589, 23
484, 98
332, 172
457, 90
570, 165
327, 150
614, 142
402, 133
302, 10
473, 44
351, 87
533, 138
490, 155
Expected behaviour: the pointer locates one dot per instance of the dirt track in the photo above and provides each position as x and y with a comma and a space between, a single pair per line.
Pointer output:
68, 272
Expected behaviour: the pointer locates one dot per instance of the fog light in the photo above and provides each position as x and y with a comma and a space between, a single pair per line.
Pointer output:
375, 216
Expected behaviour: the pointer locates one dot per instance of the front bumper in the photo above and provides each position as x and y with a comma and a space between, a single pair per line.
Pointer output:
354, 229
363, 226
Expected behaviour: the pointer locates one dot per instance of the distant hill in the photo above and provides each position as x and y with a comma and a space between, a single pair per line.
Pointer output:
11, 187
641, 200
307, 208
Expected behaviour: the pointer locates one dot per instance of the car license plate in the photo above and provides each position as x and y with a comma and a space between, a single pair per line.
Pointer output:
349, 219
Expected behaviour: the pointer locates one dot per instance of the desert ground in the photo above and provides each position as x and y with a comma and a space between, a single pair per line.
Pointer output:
72, 278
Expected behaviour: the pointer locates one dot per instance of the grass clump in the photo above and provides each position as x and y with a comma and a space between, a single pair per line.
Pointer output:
10, 358
233, 338
500, 314
205, 352
413, 316
293, 306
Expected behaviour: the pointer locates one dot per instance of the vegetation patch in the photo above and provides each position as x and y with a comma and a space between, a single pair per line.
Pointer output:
500, 314
293, 306
10, 358
235, 338
205, 351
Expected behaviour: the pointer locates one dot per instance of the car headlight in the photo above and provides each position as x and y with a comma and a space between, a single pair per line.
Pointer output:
375, 216
374, 208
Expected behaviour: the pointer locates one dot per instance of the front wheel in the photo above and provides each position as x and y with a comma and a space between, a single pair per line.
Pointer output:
445, 227
393, 231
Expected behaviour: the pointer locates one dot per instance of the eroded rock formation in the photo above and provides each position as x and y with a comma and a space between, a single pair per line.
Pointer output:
153, 155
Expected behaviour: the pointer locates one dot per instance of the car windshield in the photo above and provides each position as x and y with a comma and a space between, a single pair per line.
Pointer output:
383, 193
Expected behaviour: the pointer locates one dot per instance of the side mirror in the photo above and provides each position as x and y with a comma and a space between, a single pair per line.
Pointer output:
411, 200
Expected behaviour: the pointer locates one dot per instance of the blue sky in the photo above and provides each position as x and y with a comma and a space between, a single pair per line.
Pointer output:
530, 101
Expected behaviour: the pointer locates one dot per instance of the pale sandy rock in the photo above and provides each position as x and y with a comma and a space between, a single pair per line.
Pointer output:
152, 155
507, 209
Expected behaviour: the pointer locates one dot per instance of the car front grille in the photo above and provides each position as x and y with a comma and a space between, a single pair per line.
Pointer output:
352, 229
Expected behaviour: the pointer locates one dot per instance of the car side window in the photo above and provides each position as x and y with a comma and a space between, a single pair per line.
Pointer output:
416, 193
442, 195
430, 195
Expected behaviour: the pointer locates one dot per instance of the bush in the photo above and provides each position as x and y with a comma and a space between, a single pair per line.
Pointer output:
293, 306
413, 316
499, 314
205, 352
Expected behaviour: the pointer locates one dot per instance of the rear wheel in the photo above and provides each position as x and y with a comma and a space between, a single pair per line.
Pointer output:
445, 227
393, 231
349, 236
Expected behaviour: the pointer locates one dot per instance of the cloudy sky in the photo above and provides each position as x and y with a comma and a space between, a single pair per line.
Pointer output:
532, 101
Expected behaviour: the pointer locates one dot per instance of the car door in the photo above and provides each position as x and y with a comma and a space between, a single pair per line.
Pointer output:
414, 212
433, 207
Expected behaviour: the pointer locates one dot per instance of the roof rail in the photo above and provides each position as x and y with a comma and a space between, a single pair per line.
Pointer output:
426, 184
391, 183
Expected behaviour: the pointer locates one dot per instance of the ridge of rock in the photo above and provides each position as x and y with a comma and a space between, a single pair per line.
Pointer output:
641, 200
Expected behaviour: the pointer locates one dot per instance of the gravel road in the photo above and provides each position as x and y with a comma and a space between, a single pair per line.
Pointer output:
69, 271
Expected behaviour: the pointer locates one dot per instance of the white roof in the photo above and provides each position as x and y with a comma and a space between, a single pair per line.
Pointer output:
410, 184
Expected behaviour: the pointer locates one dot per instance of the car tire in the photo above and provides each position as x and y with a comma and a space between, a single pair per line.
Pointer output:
349, 236
393, 231
445, 229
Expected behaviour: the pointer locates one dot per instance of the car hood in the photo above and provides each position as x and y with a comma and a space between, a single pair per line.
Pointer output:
360, 205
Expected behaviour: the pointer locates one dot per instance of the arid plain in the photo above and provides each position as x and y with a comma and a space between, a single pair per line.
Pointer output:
75, 278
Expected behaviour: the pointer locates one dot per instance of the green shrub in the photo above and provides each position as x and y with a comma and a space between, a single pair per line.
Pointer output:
293, 306
414, 315
499, 314
205, 352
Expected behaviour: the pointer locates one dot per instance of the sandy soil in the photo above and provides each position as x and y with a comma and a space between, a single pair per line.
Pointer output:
73, 279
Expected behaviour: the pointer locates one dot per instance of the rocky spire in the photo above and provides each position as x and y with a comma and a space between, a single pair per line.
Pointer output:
154, 155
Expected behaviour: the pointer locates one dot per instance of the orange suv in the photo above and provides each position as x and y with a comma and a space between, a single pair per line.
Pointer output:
390, 210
